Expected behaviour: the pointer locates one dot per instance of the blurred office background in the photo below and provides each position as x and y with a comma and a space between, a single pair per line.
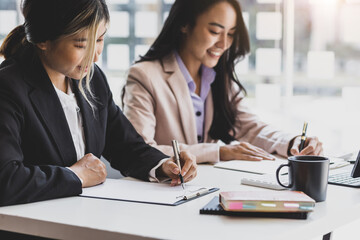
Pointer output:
304, 63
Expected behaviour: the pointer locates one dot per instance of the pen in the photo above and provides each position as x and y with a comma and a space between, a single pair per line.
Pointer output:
303, 137
177, 158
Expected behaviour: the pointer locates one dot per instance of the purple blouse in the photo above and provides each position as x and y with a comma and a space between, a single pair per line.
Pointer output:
207, 77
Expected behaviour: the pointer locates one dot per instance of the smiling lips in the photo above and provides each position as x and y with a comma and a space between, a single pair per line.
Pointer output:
80, 68
215, 54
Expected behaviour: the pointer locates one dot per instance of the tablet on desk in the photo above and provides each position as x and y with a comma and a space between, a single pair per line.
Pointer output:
348, 179
355, 173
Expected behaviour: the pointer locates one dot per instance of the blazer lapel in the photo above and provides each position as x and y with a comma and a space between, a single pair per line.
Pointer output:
46, 102
209, 114
88, 119
177, 84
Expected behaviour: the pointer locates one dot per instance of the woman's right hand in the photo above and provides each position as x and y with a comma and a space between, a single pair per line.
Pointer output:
90, 169
244, 151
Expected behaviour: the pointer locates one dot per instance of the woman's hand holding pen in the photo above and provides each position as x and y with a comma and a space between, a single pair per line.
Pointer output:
188, 171
312, 146
244, 151
90, 169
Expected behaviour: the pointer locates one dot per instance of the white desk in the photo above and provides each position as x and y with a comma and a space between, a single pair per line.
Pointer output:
86, 218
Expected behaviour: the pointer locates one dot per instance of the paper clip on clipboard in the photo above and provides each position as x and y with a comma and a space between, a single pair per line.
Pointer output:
195, 194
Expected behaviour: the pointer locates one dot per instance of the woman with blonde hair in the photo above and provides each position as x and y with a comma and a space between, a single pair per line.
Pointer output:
185, 88
57, 115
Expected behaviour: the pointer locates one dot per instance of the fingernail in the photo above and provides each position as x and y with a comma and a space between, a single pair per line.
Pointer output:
175, 170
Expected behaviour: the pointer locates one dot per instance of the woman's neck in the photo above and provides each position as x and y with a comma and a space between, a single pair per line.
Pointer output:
193, 67
62, 85
59, 80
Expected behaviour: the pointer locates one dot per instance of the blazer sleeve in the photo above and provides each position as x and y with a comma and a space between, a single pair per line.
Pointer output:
250, 129
139, 107
204, 152
21, 183
124, 148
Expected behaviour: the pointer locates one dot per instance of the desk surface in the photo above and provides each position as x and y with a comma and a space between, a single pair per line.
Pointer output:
88, 218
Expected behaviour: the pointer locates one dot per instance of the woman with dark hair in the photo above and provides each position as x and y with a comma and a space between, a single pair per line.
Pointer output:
185, 88
57, 115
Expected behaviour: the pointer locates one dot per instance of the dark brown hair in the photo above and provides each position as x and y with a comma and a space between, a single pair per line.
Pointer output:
185, 13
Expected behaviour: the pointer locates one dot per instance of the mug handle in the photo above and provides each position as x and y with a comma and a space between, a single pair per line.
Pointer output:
277, 175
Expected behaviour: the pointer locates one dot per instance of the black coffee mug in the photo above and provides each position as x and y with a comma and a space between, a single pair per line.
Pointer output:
308, 174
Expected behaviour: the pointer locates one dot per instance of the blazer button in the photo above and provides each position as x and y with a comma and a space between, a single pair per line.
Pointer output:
198, 113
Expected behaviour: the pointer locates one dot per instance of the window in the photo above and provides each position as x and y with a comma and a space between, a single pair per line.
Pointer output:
305, 55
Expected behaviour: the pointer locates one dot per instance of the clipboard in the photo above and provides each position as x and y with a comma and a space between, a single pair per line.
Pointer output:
146, 192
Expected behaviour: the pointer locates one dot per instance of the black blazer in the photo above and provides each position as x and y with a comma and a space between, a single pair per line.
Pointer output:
36, 143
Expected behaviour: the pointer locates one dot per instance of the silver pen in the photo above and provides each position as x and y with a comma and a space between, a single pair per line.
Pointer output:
176, 149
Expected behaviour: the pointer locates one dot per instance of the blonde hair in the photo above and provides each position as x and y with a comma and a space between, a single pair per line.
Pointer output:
54, 20
92, 33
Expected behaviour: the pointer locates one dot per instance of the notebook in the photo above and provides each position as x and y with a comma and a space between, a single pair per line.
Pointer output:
258, 167
214, 208
146, 192
266, 201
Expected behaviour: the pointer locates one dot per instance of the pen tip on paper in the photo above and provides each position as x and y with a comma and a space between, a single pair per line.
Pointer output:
183, 186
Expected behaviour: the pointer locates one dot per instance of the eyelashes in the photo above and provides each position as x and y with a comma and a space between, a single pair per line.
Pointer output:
84, 46
217, 33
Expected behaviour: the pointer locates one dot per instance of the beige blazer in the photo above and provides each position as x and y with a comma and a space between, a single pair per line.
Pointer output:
157, 102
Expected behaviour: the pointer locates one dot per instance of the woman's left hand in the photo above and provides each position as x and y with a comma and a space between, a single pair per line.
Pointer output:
188, 170
312, 146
